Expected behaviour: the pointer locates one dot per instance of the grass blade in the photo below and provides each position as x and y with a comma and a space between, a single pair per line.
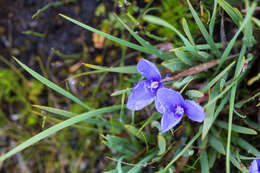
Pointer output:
236, 128
219, 76
204, 32
232, 103
57, 128
204, 162
108, 36
183, 150
125, 69
213, 19
51, 84
232, 12
232, 42
159, 21
145, 43
187, 30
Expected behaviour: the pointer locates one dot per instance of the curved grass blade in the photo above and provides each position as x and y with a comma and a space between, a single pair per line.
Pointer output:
204, 32
247, 146
124, 69
57, 128
145, 43
141, 164
204, 162
234, 13
219, 76
159, 21
51, 84
232, 42
236, 128
65, 114
108, 36
232, 102
56, 111
119, 92
183, 150
213, 19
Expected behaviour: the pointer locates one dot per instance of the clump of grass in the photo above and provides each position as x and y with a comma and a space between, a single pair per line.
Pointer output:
134, 137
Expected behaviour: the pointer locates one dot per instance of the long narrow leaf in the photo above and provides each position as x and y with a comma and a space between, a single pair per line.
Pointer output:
203, 30
57, 128
108, 36
51, 84
232, 42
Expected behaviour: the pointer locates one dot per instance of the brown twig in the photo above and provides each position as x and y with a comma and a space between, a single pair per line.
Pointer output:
193, 70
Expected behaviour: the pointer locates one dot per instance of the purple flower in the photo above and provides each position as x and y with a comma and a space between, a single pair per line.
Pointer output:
255, 166
172, 105
145, 91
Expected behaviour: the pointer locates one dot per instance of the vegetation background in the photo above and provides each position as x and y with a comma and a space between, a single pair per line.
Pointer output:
209, 50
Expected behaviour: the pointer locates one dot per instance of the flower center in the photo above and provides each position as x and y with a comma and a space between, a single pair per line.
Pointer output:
155, 85
179, 111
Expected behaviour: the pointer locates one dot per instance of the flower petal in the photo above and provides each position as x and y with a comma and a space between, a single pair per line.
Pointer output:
254, 167
167, 98
141, 96
194, 111
159, 107
168, 121
148, 70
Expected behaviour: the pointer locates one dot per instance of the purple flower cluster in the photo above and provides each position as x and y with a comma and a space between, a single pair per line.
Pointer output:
168, 102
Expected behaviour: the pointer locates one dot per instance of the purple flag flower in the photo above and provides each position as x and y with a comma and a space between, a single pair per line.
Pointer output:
255, 166
145, 91
172, 105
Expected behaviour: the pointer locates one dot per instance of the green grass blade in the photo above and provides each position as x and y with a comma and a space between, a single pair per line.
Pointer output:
217, 144
140, 164
240, 104
223, 92
174, 64
234, 13
183, 150
204, 162
65, 114
256, 21
213, 19
125, 69
204, 32
209, 119
145, 43
185, 57
57, 128
236, 128
219, 76
159, 21
108, 36
120, 92
247, 146
55, 111
51, 84
231, 105
232, 42
187, 30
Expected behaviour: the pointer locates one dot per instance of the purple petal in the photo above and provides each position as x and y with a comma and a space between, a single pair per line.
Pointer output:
148, 70
141, 96
167, 99
159, 107
168, 121
194, 111
254, 167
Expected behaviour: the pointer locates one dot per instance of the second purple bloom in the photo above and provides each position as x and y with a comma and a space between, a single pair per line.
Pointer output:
172, 105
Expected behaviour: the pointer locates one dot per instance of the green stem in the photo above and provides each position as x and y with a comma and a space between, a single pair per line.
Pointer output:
231, 106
